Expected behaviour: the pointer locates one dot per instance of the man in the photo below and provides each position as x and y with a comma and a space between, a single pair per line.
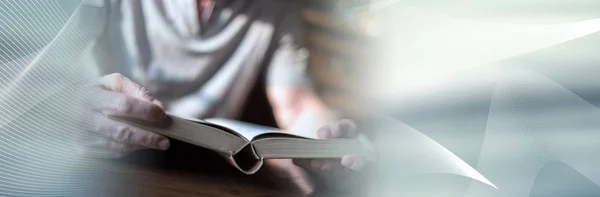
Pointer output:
200, 58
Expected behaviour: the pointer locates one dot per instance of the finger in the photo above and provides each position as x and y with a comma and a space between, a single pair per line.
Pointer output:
340, 129
312, 165
160, 104
324, 132
324, 165
117, 104
119, 83
301, 180
330, 164
344, 128
303, 163
353, 162
347, 128
316, 163
124, 133
318, 166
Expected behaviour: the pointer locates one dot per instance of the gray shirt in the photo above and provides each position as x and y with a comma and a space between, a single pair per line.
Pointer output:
202, 67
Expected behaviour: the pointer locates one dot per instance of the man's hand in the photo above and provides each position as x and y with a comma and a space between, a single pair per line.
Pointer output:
117, 95
344, 172
329, 167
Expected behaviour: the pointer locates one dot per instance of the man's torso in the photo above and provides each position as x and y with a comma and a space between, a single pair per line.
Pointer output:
197, 66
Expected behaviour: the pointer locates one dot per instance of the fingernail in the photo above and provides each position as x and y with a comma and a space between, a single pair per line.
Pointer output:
348, 162
164, 144
160, 104
324, 133
353, 162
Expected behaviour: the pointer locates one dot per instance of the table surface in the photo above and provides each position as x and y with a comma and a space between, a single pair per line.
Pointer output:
187, 171
135, 180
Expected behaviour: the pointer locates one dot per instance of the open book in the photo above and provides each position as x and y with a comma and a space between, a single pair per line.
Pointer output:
239, 141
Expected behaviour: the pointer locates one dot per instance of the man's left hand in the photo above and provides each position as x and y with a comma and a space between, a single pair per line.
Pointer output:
344, 172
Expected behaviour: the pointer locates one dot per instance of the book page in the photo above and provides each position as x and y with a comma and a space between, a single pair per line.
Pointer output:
248, 130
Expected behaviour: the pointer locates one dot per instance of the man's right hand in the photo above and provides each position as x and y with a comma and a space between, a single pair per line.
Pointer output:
108, 138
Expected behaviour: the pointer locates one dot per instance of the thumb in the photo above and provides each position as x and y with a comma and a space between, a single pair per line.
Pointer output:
119, 83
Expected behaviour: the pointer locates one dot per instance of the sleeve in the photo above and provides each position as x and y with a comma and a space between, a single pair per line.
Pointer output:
101, 20
94, 16
288, 66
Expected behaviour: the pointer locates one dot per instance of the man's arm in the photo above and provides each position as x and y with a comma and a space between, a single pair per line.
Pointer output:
296, 106
299, 110
289, 87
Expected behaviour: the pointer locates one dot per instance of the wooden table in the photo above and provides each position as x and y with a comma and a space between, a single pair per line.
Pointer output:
186, 171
